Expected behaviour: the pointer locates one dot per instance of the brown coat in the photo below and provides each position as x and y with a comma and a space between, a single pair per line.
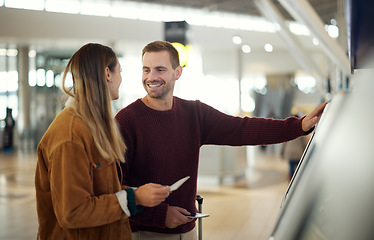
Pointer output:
75, 186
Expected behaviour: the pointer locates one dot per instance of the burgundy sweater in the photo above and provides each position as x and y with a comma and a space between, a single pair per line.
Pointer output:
163, 147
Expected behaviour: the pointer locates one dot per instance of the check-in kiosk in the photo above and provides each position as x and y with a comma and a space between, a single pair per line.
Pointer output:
331, 195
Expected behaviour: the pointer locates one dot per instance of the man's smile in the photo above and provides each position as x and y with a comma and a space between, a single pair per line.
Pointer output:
154, 85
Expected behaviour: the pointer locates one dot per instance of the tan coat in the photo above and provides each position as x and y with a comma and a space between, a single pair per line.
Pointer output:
75, 187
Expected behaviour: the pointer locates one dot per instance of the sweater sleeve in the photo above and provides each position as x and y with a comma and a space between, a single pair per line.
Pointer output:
73, 197
222, 129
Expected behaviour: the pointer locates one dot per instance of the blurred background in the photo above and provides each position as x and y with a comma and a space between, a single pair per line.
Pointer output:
259, 58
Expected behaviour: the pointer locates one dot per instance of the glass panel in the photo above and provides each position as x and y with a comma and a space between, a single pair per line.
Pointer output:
2, 60
3, 81
12, 60
3, 105
40, 77
32, 78
13, 104
12, 83
50, 78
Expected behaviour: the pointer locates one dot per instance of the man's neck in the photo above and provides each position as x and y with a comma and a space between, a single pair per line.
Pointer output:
158, 104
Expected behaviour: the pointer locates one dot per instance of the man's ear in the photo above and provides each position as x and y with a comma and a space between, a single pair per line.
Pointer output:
178, 72
108, 74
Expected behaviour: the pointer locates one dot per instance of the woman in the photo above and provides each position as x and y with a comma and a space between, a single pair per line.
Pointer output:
78, 192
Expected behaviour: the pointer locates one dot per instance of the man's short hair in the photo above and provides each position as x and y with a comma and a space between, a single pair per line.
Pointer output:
158, 46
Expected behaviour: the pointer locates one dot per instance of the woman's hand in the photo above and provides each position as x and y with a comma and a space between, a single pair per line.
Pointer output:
151, 194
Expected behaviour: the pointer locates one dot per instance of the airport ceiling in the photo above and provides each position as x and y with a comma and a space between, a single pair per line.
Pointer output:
326, 9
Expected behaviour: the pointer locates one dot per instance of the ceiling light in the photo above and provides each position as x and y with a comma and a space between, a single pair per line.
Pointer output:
268, 47
246, 48
332, 30
315, 41
32, 53
12, 52
237, 40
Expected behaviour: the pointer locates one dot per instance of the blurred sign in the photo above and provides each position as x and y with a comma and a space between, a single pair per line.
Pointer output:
184, 53
176, 32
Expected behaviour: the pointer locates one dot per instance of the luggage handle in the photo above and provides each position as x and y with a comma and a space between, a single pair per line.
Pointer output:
199, 200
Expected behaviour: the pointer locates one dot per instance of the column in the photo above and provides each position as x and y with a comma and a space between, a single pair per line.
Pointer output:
25, 139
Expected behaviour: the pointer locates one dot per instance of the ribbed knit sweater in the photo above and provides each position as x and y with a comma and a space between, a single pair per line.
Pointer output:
163, 147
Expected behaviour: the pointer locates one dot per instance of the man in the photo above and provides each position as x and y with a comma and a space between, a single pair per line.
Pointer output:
164, 134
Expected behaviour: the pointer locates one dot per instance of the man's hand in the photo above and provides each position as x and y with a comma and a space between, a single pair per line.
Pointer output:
311, 119
151, 194
176, 216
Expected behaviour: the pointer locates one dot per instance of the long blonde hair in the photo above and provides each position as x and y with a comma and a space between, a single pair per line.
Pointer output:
90, 97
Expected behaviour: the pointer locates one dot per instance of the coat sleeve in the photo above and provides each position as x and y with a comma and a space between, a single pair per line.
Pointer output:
72, 191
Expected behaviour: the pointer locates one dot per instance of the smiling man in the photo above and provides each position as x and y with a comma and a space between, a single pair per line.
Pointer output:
164, 133
160, 71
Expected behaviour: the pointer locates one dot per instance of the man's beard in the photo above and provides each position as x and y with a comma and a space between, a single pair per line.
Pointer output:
158, 96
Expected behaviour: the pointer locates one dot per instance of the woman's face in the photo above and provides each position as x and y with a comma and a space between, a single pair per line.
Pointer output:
114, 80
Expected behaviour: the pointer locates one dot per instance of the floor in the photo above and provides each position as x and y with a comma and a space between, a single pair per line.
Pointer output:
246, 209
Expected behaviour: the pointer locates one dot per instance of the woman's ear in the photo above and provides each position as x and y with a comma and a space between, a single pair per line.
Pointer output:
108, 74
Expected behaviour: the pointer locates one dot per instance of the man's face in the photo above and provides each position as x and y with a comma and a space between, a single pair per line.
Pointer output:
158, 75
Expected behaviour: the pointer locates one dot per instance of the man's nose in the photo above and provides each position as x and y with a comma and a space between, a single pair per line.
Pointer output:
153, 74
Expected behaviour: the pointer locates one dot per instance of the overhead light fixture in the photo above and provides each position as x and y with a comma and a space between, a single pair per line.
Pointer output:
2, 51
315, 41
25, 4
332, 30
268, 47
237, 40
64, 6
32, 53
12, 52
246, 48
303, 12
